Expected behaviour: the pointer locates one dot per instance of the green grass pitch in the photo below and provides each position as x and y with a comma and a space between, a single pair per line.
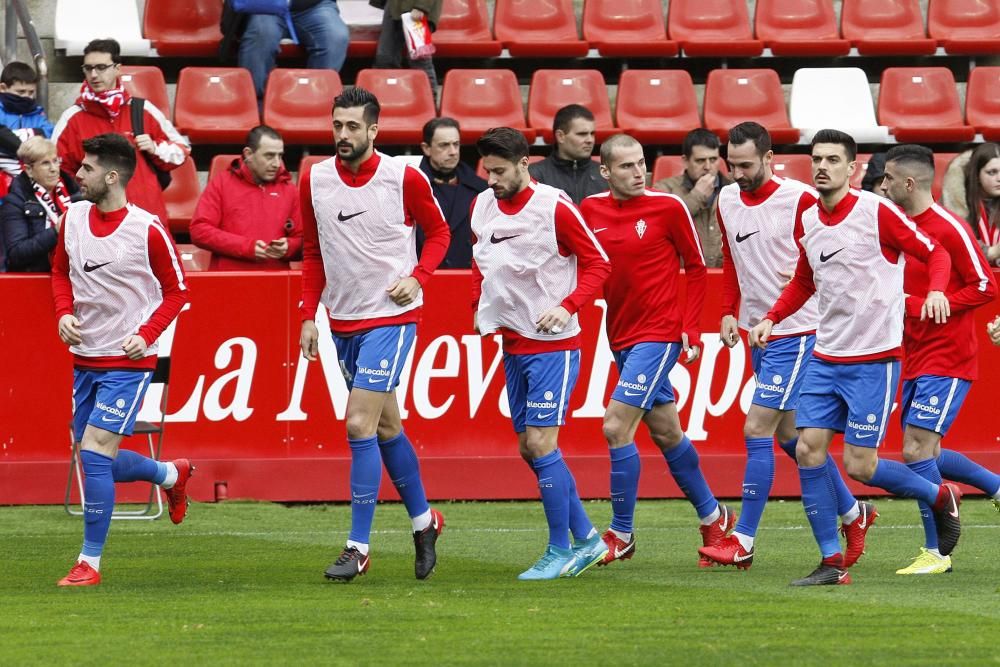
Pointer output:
241, 583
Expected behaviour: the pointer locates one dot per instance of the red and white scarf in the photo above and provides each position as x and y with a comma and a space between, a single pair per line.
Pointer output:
111, 100
54, 207
989, 234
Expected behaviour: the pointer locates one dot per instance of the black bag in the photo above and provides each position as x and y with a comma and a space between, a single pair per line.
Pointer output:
137, 107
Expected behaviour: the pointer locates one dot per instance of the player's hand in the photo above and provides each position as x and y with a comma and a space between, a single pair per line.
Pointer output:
993, 329
730, 331
145, 143
760, 333
69, 330
937, 307
553, 321
134, 347
691, 352
416, 14
260, 251
277, 248
786, 277
705, 186
309, 340
404, 291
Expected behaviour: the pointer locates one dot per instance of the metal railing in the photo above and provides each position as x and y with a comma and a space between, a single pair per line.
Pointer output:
17, 13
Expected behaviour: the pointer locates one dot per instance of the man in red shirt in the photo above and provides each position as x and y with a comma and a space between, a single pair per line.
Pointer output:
360, 261
940, 360
117, 284
248, 216
105, 106
647, 234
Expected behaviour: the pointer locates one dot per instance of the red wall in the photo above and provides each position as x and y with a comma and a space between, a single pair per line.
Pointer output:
249, 411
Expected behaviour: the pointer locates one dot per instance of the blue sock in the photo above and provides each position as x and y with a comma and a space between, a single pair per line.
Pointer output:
625, 467
789, 447
131, 466
366, 476
99, 491
757, 480
928, 470
961, 468
683, 463
899, 480
401, 461
845, 499
579, 523
818, 498
553, 484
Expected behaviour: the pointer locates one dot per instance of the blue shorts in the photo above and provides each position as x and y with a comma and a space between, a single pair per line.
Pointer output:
853, 399
643, 371
932, 402
374, 360
779, 370
108, 400
539, 387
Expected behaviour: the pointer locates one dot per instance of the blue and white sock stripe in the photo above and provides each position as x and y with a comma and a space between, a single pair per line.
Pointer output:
567, 358
886, 402
795, 372
947, 405
395, 360
656, 377
135, 400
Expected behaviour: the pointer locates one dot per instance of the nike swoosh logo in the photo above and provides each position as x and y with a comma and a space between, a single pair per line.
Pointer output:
842, 575
954, 506
633, 393
859, 436
824, 257
374, 380
621, 552
105, 419
598, 231
739, 559
769, 395
923, 415
88, 267
863, 519
500, 239
741, 239
345, 218
541, 416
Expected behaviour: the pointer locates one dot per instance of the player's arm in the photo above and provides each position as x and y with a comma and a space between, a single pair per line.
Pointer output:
477, 292
979, 286
62, 291
166, 265
313, 270
684, 237
731, 296
897, 233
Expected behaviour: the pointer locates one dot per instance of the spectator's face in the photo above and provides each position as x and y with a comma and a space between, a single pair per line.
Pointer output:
747, 167
989, 179
443, 149
101, 73
830, 167
265, 162
703, 160
506, 178
577, 142
45, 170
353, 135
20, 88
93, 179
626, 171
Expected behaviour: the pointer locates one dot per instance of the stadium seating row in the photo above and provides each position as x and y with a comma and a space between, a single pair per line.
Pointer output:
217, 105
631, 28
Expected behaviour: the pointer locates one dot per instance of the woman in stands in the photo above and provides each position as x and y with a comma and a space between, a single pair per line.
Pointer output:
32, 210
982, 194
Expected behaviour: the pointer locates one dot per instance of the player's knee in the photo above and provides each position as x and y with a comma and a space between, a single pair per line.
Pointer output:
667, 439
359, 426
860, 469
388, 432
614, 430
809, 454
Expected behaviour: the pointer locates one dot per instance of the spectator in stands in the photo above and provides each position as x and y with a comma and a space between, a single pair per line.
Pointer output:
982, 198
953, 185
874, 174
18, 110
33, 209
105, 106
455, 185
248, 216
392, 42
569, 167
698, 185
318, 29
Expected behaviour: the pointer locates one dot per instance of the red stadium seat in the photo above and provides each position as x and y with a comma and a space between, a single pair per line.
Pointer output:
734, 95
406, 100
220, 163
921, 104
799, 28
657, 106
798, 167
965, 27
886, 27
627, 28
183, 27
538, 28
483, 98
194, 258
297, 103
215, 104
182, 196
941, 163
552, 89
147, 81
310, 160
464, 31
860, 170
982, 102
667, 166
712, 28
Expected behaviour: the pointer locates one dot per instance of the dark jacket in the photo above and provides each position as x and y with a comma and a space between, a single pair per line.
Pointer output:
456, 203
27, 241
577, 178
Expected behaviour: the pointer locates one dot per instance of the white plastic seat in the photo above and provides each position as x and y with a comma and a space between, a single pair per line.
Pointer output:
80, 21
837, 98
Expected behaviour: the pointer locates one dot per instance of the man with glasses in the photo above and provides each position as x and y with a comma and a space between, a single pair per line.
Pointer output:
105, 106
